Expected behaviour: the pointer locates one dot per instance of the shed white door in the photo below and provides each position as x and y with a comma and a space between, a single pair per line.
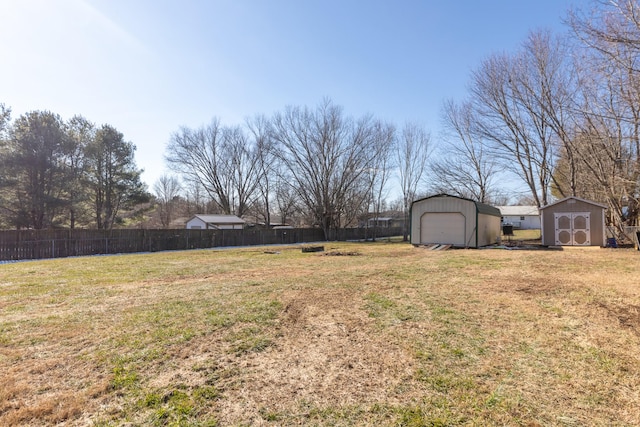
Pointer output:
573, 229
442, 227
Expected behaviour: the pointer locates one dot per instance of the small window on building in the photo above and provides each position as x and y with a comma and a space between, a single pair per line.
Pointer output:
521, 218
196, 227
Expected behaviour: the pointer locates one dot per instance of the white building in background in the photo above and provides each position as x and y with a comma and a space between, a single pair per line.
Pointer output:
521, 217
215, 222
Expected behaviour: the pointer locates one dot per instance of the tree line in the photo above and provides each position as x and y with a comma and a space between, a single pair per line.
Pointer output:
56, 173
560, 115
315, 163
309, 166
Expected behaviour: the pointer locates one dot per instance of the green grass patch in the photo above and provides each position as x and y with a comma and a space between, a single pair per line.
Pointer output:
178, 407
249, 340
388, 311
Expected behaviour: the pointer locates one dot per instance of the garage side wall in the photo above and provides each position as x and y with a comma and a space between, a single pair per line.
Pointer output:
573, 206
488, 229
444, 205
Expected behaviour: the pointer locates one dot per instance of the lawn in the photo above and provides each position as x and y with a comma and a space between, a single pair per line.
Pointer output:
524, 235
362, 334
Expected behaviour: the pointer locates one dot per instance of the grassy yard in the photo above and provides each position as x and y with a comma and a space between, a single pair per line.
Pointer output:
525, 235
386, 334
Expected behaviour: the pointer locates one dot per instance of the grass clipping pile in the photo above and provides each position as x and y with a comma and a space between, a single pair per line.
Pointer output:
391, 336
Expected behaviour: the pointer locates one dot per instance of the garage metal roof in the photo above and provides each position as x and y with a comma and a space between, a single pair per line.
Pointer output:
481, 208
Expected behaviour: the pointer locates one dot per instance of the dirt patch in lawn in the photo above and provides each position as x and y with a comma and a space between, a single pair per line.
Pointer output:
627, 315
324, 352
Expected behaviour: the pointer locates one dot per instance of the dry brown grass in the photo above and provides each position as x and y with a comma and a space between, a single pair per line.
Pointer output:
394, 336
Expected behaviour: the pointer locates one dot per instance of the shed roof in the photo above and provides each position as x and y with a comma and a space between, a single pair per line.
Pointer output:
482, 208
574, 198
519, 210
220, 219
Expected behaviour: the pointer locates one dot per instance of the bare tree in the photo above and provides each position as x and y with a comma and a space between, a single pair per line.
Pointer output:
167, 191
413, 150
244, 169
287, 201
380, 175
267, 165
609, 143
520, 100
326, 156
465, 166
609, 28
552, 87
197, 200
514, 126
221, 160
199, 156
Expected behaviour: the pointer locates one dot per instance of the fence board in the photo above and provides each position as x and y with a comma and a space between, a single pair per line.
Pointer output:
39, 244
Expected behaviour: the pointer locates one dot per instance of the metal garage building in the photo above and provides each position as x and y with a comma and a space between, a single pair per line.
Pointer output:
451, 220
573, 222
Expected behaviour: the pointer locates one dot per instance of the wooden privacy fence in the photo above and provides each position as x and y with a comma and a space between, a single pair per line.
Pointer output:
38, 244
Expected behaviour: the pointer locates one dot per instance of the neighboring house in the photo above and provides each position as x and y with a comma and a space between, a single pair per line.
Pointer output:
453, 220
573, 222
522, 217
385, 222
215, 222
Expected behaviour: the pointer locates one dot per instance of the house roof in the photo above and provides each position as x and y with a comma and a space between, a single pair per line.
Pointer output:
575, 198
519, 210
219, 219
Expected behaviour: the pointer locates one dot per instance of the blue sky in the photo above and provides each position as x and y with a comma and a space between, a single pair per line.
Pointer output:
148, 67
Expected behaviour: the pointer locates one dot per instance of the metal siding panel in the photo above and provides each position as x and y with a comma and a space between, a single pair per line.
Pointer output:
489, 230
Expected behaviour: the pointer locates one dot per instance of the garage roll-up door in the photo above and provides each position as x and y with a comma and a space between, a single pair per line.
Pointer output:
442, 227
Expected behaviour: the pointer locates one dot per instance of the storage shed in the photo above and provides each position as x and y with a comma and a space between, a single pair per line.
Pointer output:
573, 222
452, 220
